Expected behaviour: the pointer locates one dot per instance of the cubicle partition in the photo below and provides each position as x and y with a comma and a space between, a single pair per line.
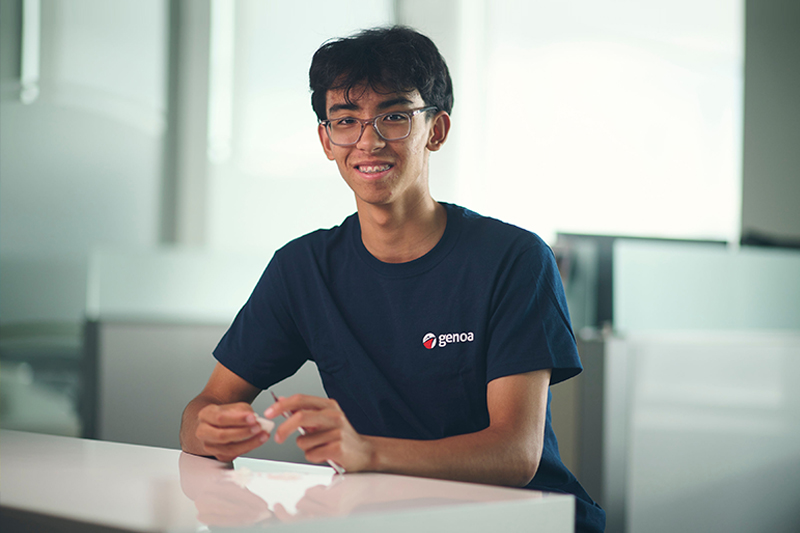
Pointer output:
692, 431
688, 412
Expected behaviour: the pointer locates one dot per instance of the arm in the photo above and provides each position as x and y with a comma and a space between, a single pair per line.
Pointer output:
505, 453
219, 422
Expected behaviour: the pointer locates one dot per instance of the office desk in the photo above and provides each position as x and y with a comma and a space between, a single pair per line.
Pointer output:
68, 484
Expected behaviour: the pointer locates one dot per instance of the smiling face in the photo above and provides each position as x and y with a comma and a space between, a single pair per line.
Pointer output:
384, 172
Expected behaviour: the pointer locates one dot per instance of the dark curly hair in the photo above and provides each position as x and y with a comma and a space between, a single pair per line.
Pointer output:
391, 59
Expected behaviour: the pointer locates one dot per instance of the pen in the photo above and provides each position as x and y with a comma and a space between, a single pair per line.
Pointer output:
338, 468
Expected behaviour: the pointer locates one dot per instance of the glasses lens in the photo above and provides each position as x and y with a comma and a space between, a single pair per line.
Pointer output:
344, 130
394, 126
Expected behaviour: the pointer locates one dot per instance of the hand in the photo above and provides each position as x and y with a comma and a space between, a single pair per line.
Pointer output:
229, 430
328, 434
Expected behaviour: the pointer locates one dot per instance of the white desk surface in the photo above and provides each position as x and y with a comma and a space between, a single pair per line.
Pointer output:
140, 488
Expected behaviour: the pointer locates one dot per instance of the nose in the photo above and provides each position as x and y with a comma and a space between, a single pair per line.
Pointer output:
370, 140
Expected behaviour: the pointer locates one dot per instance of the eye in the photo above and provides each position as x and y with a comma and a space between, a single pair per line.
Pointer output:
343, 122
395, 117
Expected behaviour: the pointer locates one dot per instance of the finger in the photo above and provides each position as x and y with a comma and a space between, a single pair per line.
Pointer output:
238, 414
318, 439
213, 435
298, 402
311, 421
229, 452
331, 450
226, 419
285, 430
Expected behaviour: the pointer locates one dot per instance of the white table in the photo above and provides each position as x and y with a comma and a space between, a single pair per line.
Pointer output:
66, 484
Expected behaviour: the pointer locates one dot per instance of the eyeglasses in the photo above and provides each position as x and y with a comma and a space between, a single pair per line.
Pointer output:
391, 126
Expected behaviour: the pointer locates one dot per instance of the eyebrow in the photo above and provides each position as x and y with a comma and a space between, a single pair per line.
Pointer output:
386, 104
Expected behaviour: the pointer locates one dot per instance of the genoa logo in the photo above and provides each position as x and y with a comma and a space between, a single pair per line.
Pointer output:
429, 340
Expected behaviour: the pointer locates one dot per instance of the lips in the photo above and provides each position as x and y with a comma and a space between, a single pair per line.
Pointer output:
373, 169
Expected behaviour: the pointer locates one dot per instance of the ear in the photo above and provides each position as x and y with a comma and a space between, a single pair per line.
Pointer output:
325, 141
439, 130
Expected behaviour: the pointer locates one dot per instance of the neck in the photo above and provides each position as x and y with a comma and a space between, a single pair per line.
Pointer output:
402, 233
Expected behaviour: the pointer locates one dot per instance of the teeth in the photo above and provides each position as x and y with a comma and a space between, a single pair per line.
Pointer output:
374, 169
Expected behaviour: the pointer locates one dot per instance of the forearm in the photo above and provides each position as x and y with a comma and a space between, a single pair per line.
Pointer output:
495, 456
189, 422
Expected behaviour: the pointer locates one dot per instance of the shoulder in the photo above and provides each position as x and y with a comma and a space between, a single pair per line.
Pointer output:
491, 235
316, 243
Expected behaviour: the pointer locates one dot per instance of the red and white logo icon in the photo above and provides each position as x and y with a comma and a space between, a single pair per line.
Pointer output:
429, 340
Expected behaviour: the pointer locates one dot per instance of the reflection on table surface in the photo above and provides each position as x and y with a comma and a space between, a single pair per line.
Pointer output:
250, 492
125, 487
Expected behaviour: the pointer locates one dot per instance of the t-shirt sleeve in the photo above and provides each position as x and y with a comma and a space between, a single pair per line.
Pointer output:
263, 345
529, 328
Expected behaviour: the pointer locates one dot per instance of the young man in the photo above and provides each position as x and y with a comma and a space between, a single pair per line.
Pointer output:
437, 332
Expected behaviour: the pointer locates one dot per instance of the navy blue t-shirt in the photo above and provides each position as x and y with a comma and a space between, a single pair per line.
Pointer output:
407, 349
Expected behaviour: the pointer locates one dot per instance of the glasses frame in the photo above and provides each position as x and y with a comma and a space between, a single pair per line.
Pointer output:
371, 122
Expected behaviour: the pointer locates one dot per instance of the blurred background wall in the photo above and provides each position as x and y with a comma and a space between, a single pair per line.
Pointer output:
152, 123
155, 153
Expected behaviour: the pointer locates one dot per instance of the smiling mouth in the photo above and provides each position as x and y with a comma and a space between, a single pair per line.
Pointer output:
373, 169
